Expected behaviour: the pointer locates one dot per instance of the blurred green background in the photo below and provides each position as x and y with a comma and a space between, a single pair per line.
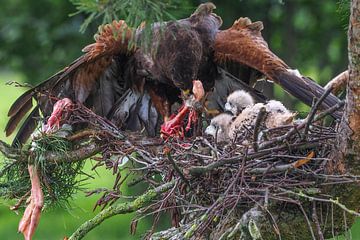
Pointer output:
38, 38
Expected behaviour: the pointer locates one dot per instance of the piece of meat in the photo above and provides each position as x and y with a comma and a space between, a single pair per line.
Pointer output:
174, 127
31, 217
60, 108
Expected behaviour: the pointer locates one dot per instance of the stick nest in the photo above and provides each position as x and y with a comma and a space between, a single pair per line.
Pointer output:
214, 183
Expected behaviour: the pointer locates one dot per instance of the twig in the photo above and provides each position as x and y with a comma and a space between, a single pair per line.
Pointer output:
316, 221
10, 152
74, 156
307, 221
259, 119
329, 111
82, 134
177, 169
122, 208
20, 201
286, 136
272, 169
338, 82
330, 200
312, 113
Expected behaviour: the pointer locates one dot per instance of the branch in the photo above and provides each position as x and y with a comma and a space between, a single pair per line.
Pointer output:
312, 113
76, 155
122, 208
177, 169
259, 119
339, 82
10, 152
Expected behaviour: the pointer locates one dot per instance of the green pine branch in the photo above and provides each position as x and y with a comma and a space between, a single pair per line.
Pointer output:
134, 12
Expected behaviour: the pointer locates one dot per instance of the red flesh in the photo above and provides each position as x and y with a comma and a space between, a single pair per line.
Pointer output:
31, 217
56, 116
174, 127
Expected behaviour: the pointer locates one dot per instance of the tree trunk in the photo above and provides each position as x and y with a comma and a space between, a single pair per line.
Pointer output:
350, 126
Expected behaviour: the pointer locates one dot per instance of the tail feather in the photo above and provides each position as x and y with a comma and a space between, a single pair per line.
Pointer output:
27, 128
306, 90
17, 117
26, 96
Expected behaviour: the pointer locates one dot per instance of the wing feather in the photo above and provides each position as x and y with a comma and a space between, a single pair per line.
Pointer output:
27, 128
79, 80
244, 44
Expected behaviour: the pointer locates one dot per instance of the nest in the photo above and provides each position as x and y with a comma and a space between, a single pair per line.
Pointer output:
216, 183
213, 184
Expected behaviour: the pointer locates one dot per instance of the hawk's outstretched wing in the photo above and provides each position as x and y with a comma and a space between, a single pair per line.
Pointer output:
97, 79
244, 44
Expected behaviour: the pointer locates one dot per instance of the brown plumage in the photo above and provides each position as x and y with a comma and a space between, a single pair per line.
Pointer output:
133, 87
244, 44
81, 81
110, 74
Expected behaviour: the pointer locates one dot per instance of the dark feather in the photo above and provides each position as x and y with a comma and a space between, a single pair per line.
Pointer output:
225, 83
106, 91
123, 108
15, 119
27, 128
148, 115
20, 102
306, 90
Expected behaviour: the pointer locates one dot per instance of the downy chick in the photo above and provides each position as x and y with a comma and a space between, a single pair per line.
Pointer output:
237, 101
276, 115
219, 127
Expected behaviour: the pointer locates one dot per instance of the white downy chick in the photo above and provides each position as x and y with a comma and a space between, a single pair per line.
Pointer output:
237, 101
278, 114
244, 120
219, 127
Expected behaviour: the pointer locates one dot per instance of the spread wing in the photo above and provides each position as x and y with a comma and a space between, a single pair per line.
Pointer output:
243, 43
110, 78
97, 79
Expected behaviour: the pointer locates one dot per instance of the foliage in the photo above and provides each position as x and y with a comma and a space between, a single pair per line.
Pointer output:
38, 38
60, 179
134, 12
